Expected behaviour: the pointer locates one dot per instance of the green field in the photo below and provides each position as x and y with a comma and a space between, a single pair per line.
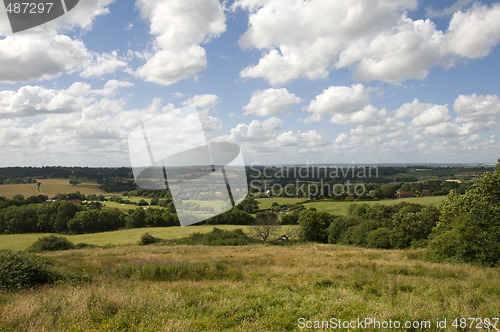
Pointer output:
249, 288
341, 208
121, 237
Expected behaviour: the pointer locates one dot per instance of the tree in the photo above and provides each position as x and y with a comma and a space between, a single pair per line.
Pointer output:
74, 182
469, 224
314, 225
413, 227
249, 205
136, 219
266, 224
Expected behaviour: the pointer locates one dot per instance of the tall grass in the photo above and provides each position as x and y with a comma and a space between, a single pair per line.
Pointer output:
255, 287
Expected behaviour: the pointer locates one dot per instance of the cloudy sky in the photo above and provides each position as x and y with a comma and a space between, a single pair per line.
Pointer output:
291, 81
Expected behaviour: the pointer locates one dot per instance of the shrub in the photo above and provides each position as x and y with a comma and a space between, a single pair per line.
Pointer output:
379, 238
21, 270
51, 243
146, 239
217, 237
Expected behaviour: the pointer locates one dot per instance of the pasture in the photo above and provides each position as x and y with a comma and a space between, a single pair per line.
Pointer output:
255, 287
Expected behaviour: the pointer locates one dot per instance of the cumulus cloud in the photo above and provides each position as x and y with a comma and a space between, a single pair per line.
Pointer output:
413, 129
271, 102
377, 40
36, 56
298, 46
481, 110
203, 101
44, 52
255, 131
179, 28
406, 51
266, 138
103, 64
432, 115
79, 125
473, 33
36, 101
338, 100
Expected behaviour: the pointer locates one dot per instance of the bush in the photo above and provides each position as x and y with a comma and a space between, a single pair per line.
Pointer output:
147, 238
22, 270
51, 243
217, 237
379, 238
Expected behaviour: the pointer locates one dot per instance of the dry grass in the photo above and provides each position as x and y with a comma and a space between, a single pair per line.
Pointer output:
52, 187
10, 190
276, 286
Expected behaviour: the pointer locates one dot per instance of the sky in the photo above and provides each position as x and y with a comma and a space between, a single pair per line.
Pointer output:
290, 81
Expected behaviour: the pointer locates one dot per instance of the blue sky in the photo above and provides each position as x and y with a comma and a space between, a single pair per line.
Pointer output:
290, 81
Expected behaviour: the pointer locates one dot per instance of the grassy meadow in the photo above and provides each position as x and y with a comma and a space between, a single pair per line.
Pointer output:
256, 287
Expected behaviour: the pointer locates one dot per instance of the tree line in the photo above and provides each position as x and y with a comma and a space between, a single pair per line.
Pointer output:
465, 228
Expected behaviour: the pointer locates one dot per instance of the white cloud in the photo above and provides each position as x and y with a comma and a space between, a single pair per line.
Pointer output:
203, 101
74, 126
36, 101
271, 102
431, 12
472, 34
409, 110
368, 115
338, 100
179, 27
434, 115
264, 141
406, 51
36, 56
481, 110
255, 131
375, 39
104, 64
